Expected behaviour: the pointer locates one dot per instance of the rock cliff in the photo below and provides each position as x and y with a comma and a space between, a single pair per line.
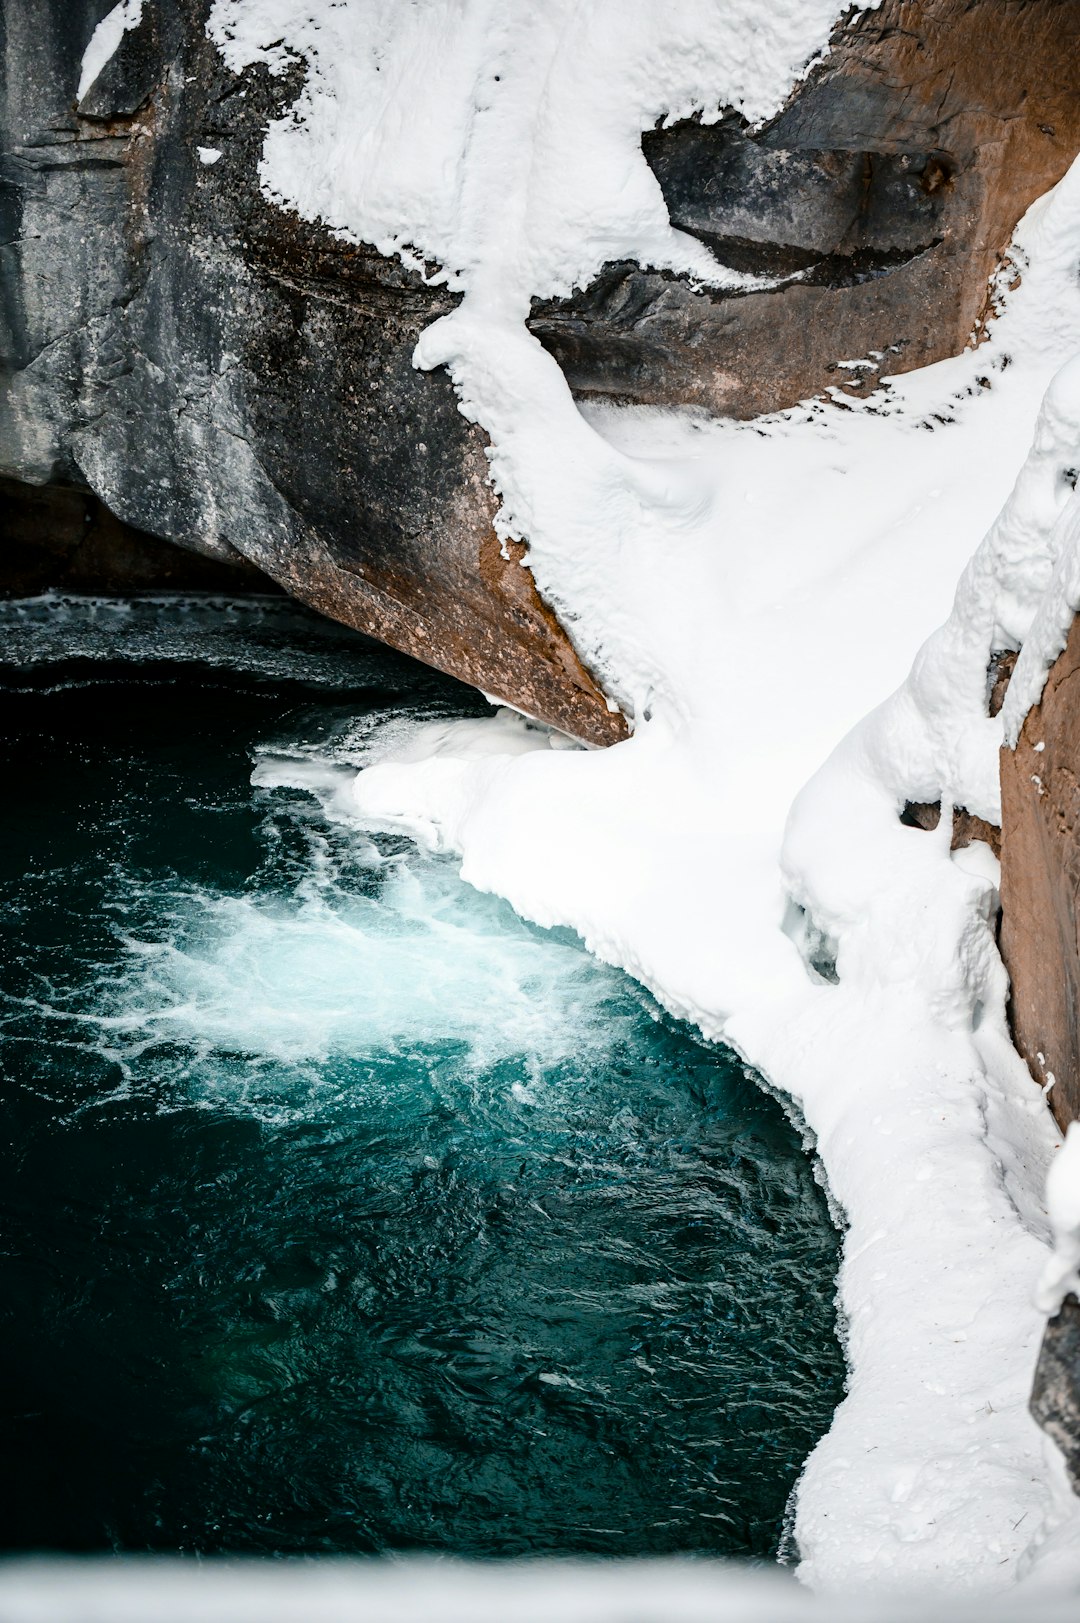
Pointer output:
1040, 942
1040, 877
223, 376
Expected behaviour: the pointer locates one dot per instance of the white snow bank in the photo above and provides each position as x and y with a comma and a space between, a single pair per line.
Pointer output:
749, 592
105, 39
754, 625
1061, 1276
1042, 525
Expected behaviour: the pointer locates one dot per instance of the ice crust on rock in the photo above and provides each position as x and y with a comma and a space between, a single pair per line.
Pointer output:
750, 593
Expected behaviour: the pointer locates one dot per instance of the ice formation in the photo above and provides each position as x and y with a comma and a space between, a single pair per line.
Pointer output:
749, 594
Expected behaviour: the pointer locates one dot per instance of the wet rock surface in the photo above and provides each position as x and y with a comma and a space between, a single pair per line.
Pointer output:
232, 380
1040, 879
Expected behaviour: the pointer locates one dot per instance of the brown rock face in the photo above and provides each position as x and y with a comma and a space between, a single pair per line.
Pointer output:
888, 187
1040, 882
1040, 942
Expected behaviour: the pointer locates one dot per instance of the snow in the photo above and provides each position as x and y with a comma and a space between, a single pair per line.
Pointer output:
1044, 523
208, 155
1061, 1276
502, 138
752, 594
105, 40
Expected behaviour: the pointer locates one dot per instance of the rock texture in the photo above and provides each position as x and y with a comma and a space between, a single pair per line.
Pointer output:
1040, 881
225, 377
1040, 942
886, 191
1055, 1398
232, 380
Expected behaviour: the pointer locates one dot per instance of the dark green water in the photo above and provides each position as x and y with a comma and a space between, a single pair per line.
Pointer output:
342, 1211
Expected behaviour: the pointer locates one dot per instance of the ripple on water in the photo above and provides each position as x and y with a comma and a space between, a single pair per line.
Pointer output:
345, 1210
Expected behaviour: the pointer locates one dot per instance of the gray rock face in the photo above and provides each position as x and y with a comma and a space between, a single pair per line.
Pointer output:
233, 380
1055, 1400
226, 377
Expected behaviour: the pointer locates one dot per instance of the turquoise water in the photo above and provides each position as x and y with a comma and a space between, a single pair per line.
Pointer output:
342, 1210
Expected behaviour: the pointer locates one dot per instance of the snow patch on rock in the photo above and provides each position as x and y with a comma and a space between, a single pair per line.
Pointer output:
105, 40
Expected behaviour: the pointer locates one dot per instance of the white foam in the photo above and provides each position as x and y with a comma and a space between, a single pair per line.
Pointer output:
417, 965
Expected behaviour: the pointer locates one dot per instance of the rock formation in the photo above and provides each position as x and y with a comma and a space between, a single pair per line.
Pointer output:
1055, 1398
882, 196
235, 381
1040, 876
228, 378
1040, 942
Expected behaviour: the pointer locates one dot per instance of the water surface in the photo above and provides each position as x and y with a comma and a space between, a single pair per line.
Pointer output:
342, 1210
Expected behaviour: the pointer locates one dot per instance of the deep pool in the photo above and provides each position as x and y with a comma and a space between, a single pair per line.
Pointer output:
342, 1210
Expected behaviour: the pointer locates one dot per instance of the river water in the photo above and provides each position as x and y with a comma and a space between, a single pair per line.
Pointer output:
342, 1210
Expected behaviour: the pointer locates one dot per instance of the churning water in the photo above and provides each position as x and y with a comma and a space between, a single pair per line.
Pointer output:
343, 1211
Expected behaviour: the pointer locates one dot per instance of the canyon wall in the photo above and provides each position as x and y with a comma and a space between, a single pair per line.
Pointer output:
1040, 881
218, 374
1040, 942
